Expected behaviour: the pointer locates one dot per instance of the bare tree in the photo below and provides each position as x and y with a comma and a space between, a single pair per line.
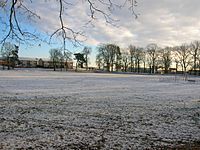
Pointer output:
118, 60
138, 57
132, 50
165, 57
55, 57
113, 52
9, 53
194, 51
109, 54
125, 61
144, 61
175, 58
153, 55
104, 55
99, 61
198, 59
86, 51
61, 60
15, 8
67, 57
19, 8
183, 54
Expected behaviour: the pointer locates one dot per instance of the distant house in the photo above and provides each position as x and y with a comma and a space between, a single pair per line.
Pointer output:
40, 63
161, 70
69, 65
27, 62
47, 63
3, 63
172, 70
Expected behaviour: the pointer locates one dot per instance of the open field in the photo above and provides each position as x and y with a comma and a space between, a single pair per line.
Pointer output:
63, 110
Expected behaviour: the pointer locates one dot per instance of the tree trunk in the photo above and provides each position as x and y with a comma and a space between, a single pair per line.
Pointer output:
185, 68
131, 64
86, 63
195, 63
8, 60
125, 65
135, 66
61, 66
116, 66
167, 68
199, 67
76, 66
66, 67
182, 69
138, 66
112, 66
54, 66
99, 65
108, 67
150, 69
153, 67
156, 69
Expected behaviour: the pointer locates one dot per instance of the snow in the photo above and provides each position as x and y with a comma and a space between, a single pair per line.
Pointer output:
42, 109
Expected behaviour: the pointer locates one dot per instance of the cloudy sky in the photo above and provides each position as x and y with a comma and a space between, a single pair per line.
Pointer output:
165, 22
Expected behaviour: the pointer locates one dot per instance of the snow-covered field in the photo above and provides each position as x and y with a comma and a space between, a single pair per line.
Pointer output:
65, 110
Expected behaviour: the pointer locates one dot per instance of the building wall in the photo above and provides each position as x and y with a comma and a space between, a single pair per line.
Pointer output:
33, 63
69, 65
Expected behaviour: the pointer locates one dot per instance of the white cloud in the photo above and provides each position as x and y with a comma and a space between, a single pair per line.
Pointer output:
165, 22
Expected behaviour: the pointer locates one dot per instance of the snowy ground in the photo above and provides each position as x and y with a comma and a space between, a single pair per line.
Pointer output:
63, 110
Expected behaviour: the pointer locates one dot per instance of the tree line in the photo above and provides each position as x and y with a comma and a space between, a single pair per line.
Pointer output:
9, 55
58, 58
111, 57
149, 59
